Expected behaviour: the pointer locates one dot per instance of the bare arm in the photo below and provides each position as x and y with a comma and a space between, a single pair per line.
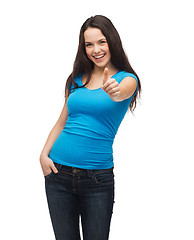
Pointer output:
127, 88
46, 162
118, 92
56, 130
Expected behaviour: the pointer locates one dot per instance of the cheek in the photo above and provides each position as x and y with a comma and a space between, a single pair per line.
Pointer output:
106, 50
88, 52
108, 53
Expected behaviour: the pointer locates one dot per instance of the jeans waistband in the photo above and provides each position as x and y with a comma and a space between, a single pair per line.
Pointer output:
81, 171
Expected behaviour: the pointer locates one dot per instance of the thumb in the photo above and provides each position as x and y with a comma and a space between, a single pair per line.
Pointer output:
105, 75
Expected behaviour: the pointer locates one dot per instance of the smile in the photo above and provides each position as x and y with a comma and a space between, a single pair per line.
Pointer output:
99, 56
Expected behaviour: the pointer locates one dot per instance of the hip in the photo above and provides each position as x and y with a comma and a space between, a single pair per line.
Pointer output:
80, 180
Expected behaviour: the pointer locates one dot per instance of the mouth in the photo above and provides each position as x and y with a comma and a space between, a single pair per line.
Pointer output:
99, 57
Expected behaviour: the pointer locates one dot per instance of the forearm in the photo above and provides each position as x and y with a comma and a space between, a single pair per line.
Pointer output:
56, 130
127, 88
123, 94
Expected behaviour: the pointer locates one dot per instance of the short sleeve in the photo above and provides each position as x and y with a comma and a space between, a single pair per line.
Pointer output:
127, 74
70, 87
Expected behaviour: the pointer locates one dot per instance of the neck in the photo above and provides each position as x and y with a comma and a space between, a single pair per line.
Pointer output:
99, 71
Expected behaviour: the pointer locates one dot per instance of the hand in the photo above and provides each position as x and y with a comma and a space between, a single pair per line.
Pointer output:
111, 86
47, 165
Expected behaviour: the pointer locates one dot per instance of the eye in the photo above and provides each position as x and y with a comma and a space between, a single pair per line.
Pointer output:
102, 42
88, 44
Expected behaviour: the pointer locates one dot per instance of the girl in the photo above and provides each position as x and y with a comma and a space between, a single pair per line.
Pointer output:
77, 159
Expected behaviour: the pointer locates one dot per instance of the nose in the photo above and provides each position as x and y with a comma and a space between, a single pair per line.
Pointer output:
96, 49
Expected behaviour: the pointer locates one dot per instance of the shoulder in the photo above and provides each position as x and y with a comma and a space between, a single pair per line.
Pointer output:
124, 77
76, 81
123, 74
78, 77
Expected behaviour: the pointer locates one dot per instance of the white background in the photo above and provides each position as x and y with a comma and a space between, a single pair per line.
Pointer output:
153, 153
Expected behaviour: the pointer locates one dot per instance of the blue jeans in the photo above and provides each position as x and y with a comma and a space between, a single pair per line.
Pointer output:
74, 193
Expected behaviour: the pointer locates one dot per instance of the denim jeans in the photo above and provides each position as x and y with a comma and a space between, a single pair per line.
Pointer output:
75, 193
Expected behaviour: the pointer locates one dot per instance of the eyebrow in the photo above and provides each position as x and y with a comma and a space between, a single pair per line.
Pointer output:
98, 40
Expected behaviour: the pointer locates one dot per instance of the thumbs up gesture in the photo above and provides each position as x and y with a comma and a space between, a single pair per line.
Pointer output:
111, 86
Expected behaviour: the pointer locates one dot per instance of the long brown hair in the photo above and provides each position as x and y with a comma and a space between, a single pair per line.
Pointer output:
83, 64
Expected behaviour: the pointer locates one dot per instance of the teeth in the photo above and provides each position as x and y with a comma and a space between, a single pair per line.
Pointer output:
99, 56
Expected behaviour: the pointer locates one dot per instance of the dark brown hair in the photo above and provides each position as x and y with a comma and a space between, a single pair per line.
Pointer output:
83, 64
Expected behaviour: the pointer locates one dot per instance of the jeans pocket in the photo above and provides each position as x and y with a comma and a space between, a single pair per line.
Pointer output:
58, 167
104, 178
48, 176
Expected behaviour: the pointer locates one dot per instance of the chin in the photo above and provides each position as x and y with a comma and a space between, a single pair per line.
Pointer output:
102, 65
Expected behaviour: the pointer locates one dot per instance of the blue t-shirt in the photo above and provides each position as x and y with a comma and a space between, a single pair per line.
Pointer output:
93, 121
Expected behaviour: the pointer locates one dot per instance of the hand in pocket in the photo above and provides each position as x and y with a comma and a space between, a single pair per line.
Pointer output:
47, 165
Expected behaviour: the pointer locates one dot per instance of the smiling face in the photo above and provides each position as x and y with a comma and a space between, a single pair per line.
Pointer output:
96, 47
